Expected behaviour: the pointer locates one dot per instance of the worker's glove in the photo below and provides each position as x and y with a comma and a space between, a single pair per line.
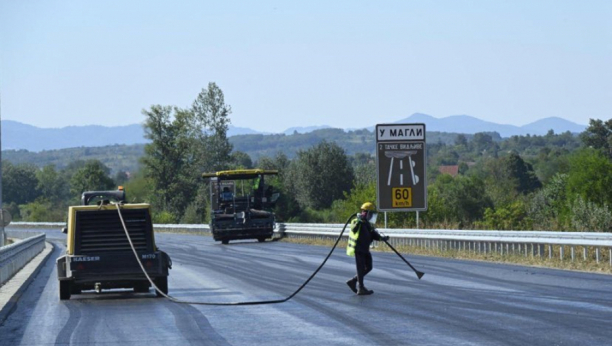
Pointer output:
384, 238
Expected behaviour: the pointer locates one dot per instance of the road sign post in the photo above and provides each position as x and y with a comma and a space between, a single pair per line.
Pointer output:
401, 163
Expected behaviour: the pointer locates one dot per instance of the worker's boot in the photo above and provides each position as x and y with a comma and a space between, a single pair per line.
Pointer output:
364, 291
352, 284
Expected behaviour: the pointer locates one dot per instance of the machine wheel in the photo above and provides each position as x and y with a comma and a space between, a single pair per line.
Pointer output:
141, 288
162, 284
224, 241
64, 290
74, 289
261, 239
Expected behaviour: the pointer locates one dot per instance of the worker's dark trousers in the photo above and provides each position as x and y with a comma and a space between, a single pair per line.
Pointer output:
363, 260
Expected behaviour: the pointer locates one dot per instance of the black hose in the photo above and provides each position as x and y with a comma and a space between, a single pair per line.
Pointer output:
261, 302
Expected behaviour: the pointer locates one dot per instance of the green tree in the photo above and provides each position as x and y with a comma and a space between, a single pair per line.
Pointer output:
42, 210
211, 122
240, 159
121, 178
19, 183
321, 175
522, 173
170, 160
71, 168
460, 199
598, 135
506, 178
461, 140
498, 184
51, 184
184, 143
287, 207
92, 177
352, 201
483, 144
547, 205
513, 216
138, 188
364, 166
550, 162
589, 176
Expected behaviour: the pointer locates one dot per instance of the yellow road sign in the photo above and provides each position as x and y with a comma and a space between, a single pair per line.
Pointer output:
402, 197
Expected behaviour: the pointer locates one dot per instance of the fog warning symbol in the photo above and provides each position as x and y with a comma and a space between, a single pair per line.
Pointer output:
401, 155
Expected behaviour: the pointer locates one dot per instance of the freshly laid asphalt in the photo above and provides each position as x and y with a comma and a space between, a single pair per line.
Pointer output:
456, 302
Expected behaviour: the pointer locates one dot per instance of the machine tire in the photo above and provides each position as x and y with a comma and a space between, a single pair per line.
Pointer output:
224, 241
162, 284
261, 239
141, 288
74, 289
64, 290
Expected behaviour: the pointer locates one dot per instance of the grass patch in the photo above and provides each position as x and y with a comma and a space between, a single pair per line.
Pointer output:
533, 258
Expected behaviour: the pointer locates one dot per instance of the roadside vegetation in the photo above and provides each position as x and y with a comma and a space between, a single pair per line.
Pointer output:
555, 182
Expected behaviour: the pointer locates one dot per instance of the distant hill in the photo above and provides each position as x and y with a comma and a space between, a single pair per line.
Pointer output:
126, 157
237, 131
558, 125
469, 125
121, 157
117, 157
16, 135
302, 130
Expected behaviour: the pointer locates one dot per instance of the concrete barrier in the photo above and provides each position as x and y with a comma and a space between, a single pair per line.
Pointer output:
15, 256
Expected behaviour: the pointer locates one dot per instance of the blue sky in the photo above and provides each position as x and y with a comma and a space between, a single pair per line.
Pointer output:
339, 63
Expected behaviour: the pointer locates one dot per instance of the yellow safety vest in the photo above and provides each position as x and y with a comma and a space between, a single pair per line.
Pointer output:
352, 238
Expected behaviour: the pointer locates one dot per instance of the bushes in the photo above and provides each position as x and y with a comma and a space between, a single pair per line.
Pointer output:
590, 217
590, 176
511, 217
164, 217
460, 199
43, 211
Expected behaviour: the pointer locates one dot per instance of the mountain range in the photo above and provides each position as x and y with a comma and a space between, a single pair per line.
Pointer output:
470, 125
16, 135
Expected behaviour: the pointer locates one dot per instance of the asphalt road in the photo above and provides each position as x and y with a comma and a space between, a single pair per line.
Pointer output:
456, 302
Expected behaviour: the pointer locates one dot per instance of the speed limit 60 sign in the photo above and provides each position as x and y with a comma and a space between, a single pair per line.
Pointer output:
402, 197
400, 167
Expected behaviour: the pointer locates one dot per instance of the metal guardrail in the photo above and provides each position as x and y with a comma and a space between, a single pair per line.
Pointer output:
527, 243
15, 256
21, 224
157, 227
195, 229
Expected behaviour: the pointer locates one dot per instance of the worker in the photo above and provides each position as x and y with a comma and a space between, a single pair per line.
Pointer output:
227, 195
360, 237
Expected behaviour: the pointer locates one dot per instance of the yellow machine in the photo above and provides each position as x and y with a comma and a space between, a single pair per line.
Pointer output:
98, 254
241, 204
